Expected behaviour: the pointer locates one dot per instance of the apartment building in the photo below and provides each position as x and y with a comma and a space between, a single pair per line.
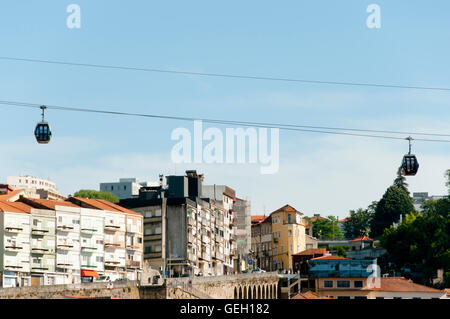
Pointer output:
262, 242
288, 236
125, 187
48, 242
35, 187
43, 247
184, 231
123, 238
67, 236
14, 244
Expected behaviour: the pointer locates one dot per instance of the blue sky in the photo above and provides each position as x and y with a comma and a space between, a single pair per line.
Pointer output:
318, 40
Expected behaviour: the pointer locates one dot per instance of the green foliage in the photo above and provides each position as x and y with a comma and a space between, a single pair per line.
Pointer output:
394, 203
400, 181
358, 223
327, 228
89, 193
421, 243
447, 183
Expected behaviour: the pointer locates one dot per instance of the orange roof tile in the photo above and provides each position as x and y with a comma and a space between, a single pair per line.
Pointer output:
104, 205
311, 251
286, 208
309, 295
48, 203
400, 284
257, 218
11, 194
364, 238
330, 258
14, 207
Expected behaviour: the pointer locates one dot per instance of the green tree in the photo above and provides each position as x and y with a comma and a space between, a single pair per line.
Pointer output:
327, 228
89, 193
400, 181
447, 183
394, 203
420, 245
358, 223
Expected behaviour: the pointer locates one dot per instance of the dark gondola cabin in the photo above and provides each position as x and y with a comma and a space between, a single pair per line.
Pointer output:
410, 165
43, 133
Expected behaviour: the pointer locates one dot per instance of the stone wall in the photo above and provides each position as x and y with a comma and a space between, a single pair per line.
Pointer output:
245, 286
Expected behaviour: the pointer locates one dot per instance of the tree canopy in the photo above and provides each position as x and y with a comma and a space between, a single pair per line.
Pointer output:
400, 181
327, 228
89, 193
419, 246
358, 223
394, 203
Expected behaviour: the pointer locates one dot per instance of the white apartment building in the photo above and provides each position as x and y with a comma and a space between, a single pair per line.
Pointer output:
125, 187
92, 240
15, 244
35, 187
115, 228
68, 244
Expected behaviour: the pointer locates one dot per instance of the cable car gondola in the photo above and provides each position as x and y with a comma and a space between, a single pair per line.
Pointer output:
42, 132
410, 165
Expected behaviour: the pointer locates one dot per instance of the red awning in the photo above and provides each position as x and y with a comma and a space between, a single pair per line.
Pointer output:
89, 273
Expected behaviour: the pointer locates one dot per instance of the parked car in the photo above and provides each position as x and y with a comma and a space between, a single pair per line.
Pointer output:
258, 270
122, 279
103, 279
246, 271
186, 275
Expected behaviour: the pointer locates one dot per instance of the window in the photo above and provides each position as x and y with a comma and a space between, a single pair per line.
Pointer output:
358, 283
343, 297
99, 259
290, 232
379, 298
397, 297
343, 283
328, 284
360, 297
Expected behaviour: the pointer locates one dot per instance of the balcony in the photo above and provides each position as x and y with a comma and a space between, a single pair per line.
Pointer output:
39, 231
275, 240
64, 246
112, 228
13, 248
134, 247
39, 250
88, 231
64, 227
88, 249
88, 266
36, 267
112, 245
112, 262
14, 230
133, 264
13, 267
64, 265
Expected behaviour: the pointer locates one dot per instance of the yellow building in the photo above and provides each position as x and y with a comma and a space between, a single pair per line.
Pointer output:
288, 231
